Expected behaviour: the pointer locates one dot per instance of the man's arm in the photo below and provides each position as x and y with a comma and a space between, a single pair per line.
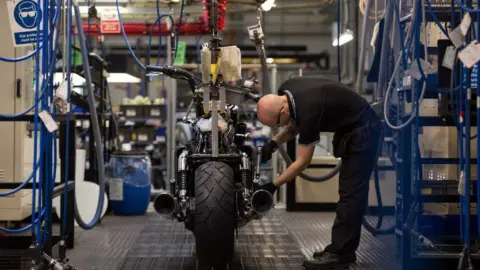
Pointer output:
286, 134
304, 158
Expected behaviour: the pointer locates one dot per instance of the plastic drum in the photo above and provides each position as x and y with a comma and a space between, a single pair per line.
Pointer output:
129, 183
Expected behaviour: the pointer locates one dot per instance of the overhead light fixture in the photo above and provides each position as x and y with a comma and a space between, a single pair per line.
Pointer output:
112, 78
122, 78
267, 5
100, 9
270, 60
77, 80
344, 38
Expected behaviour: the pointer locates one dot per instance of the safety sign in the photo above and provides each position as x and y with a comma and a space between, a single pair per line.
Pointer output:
109, 22
25, 16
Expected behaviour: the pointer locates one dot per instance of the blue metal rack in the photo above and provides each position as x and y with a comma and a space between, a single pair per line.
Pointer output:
409, 200
413, 227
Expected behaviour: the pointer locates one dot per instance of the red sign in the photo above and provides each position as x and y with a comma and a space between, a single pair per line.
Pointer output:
109, 23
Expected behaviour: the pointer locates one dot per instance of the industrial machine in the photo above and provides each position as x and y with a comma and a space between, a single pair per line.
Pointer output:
15, 140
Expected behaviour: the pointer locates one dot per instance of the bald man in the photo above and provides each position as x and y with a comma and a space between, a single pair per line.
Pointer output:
306, 106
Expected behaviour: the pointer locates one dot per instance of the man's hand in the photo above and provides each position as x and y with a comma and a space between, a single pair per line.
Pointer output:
270, 187
303, 160
268, 149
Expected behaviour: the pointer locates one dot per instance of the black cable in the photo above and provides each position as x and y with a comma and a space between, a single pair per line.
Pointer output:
379, 196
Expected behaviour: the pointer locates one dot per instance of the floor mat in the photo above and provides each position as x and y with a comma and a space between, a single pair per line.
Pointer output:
282, 240
166, 244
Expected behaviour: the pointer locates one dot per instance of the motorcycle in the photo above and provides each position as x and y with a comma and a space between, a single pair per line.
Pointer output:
216, 187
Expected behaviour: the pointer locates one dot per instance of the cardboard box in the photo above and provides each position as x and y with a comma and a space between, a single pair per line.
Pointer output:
443, 209
442, 142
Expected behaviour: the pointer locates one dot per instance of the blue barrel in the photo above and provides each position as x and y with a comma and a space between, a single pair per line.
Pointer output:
129, 183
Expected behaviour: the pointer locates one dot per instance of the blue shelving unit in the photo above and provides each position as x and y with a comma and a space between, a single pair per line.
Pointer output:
435, 241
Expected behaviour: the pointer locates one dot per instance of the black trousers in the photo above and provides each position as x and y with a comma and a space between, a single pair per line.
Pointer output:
358, 149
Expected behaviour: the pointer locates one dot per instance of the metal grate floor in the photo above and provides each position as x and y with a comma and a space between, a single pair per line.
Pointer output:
280, 241
188, 263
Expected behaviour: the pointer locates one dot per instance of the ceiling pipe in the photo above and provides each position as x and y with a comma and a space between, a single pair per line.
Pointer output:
321, 4
200, 27
345, 52
351, 53
145, 29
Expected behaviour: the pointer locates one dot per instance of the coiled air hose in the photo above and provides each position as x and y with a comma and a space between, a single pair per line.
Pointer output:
267, 88
95, 127
377, 230
384, 100
384, 54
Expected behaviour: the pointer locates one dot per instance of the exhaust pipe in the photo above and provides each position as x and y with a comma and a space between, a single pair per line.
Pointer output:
262, 202
165, 204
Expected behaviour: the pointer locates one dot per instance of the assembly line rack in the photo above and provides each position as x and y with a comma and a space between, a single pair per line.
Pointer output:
407, 182
19, 245
413, 227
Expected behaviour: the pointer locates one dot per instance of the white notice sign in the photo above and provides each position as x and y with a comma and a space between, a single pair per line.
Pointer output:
255, 29
116, 189
25, 16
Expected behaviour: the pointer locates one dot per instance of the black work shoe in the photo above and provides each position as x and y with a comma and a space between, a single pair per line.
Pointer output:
319, 254
327, 260
348, 256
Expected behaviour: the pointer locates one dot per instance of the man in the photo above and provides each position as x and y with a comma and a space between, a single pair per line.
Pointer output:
307, 106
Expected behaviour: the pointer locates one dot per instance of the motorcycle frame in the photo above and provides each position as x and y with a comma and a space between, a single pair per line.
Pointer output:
171, 122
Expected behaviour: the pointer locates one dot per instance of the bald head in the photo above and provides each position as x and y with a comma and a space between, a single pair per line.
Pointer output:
269, 107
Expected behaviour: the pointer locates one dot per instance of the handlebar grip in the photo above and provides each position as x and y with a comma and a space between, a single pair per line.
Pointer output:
159, 69
254, 97
170, 71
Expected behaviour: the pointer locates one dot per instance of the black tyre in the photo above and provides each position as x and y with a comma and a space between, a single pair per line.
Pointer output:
214, 216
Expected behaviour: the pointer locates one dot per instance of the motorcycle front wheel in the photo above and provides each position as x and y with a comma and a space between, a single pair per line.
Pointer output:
214, 216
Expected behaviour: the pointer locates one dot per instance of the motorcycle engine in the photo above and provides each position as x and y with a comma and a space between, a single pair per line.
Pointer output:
197, 134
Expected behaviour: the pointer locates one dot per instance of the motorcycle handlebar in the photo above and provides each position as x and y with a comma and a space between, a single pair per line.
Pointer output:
179, 73
176, 73
169, 70
254, 97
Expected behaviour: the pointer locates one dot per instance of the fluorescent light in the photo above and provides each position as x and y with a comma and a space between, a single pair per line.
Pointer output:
76, 79
84, 9
345, 37
112, 78
122, 78
267, 5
